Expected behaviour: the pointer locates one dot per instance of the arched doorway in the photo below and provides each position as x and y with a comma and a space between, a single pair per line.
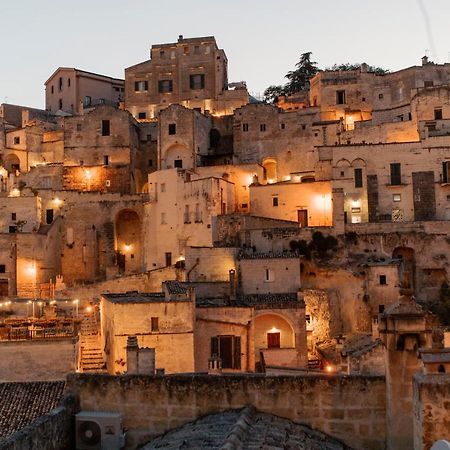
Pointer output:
270, 170
128, 241
274, 340
407, 269
12, 163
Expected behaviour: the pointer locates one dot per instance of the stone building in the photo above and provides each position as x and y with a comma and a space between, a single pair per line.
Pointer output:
192, 72
70, 90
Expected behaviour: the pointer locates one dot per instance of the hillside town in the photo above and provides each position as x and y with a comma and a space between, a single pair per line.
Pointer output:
204, 269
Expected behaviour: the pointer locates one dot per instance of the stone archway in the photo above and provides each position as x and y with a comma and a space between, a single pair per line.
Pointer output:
270, 169
12, 163
128, 241
177, 156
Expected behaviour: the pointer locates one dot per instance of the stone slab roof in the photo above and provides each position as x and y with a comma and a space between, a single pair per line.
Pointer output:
254, 301
135, 297
175, 287
23, 403
268, 255
246, 429
437, 355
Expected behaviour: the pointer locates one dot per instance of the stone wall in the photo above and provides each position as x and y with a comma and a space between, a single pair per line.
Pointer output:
350, 408
53, 431
431, 409
38, 360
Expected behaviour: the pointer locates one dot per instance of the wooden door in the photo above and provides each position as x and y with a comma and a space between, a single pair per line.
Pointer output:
273, 340
302, 217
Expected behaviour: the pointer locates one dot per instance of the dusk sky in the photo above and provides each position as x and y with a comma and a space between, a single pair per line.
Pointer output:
262, 38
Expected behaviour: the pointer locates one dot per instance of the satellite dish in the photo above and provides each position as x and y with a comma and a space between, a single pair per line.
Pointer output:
441, 445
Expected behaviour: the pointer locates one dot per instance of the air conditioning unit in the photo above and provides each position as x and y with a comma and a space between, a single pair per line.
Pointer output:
99, 431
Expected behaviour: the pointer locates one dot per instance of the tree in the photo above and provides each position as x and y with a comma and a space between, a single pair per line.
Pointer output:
348, 66
272, 93
299, 78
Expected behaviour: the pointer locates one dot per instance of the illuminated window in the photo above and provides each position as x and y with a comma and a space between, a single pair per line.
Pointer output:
397, 197
165, 86
141, 86
197, 81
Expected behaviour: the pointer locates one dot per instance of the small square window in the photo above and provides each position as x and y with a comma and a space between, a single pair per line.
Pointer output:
262, 127
380, 96
13, 229
16, 140
274, 201
197, 81
383, 279
245, 127
141, 86
155, 324
172, 129
397, 197
163, 187
2, 268
165, 86
178, 163
438, 114
342, 173
303, 127
142, 115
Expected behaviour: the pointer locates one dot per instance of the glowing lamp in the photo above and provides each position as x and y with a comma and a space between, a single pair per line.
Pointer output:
87, 174
127, 248
89, 309
57, 201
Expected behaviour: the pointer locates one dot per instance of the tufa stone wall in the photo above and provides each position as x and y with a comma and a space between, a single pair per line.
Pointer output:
350, 408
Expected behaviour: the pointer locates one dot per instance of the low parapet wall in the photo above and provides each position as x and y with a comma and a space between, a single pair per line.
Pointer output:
349, 408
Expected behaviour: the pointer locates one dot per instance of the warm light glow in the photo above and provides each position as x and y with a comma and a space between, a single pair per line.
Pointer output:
356, 203
127, 248
14, 192
75, 302
181, 258
89, 309
31, 270
57, 201
329, 369
87, 174
249, 180
270, 181
287, 178
274, 330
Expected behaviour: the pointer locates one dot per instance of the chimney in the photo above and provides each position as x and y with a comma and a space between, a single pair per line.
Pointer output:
180, 37
132, 355
146, 361
364, 68
424, 60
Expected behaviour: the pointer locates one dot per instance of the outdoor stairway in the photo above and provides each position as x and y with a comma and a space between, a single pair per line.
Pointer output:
91, 352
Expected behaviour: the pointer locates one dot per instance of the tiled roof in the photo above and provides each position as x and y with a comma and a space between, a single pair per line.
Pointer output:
246, 429
254, 300
135, 297
23, 403
267, 255
175, 287
435, 355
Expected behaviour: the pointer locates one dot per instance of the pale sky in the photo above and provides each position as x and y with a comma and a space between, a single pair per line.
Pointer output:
262, 38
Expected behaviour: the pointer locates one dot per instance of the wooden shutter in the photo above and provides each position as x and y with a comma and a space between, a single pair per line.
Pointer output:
215, 346
237, 353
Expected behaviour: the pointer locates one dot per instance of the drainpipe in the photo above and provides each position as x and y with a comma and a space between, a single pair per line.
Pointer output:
197, 262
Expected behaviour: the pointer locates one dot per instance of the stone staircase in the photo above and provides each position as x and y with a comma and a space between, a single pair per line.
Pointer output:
91, 353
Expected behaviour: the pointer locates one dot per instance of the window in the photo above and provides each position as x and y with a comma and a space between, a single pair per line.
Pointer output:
2, 268
428, 83
446, 171
197, 50
87, 101
396, 174
108, 183
106, 128
163, 218
68, 82
245, 127
187, 214
358, 178
380, 96
165, 86
340, 97
397, 197
262, 127
383, 280
60, 83
13, 229
172, 128
13, 216
155, 324
79, 127
163, 187
441, 368
198, 213
142, 115
274, 201
16, 140
60, 103
106, 160
150, 163
141, 86
162, 54
178, 163
197, 81
381, 309
342, 173
438, 114
268, 275
168, 259
186, 50
53, 89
